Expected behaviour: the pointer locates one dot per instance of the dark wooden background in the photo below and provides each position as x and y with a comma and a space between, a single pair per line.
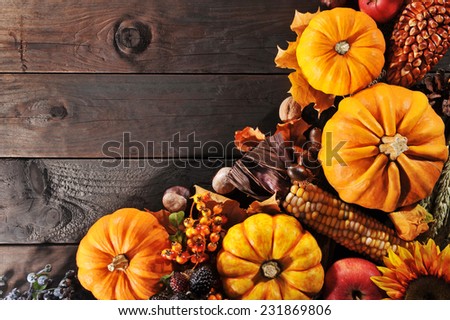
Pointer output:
159, 85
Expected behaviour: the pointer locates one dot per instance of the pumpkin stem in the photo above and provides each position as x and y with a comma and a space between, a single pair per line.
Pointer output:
342, 47
393, 146
270, 269
119, 262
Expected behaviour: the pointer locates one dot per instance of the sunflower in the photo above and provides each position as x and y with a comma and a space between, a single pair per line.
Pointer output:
422, 272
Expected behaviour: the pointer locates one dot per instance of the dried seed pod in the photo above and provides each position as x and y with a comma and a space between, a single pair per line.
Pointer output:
289, 110
436, 86
419, 40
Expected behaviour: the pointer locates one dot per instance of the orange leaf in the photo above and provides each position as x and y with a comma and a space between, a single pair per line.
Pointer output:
301, 21
304, 94
293, 131
287, 58
411, 221
269, 206
163, 219
248, 138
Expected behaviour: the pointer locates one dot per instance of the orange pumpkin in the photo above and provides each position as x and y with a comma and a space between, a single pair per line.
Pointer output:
341, 51
270, 257
384, 148
119, 257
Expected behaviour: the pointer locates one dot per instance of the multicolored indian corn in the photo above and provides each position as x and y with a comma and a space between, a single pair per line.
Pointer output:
340, 221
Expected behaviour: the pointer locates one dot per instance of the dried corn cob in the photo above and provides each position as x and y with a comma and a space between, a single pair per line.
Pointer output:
338, 220
419, 40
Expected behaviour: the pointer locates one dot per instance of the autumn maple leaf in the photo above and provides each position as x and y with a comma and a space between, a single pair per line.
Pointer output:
248, 138
302, 92
293, 131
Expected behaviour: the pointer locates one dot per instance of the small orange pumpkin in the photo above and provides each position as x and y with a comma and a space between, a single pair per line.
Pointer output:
384, 148
341, 51
119, 257
270, 257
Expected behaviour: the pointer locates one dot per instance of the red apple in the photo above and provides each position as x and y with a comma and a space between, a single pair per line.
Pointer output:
349, 279
381, 10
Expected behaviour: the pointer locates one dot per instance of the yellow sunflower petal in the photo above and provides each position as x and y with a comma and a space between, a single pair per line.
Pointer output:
444, 259
420, 267
393, 289
404, 254
396, 295
393, 259
406, 266
429, 253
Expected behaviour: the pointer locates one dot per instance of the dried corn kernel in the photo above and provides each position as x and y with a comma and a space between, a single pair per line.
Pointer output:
340, 221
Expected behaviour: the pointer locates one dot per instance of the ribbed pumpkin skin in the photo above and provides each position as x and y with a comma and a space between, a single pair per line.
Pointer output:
132, 232
327, 70
369, 177
261, 238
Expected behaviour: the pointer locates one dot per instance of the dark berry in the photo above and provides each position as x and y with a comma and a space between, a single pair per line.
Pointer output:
162, 295
201, 281
179, 296
179, 282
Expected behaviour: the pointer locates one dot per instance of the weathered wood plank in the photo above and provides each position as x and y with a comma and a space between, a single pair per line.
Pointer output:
56, 201
92, 116
207, 36
17, 261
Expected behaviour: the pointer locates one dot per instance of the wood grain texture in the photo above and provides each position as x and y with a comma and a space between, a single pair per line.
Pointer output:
205, 36
17, 261
56, 201
74, 116
199, 36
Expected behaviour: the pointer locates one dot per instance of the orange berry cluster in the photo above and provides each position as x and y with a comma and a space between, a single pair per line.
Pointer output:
202, 234
214, 295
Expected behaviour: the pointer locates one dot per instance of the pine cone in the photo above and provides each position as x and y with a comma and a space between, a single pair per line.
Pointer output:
437, 88
419, 40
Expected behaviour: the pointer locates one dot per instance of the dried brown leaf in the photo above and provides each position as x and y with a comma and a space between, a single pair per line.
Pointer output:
248, 138
301, 21
304, 94
231, 208
293, 131
269, 206
287, 58
411, 221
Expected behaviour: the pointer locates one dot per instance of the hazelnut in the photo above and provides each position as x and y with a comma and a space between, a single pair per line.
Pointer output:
333, 3
289, 110
175, 198
221, 183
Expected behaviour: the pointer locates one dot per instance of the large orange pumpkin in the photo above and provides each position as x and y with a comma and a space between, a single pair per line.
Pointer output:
384, 148
341, 51
270, 257
119, 257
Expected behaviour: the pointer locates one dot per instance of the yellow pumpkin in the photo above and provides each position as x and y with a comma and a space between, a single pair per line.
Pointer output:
119, 257
384, 148
341, 51
270, 257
